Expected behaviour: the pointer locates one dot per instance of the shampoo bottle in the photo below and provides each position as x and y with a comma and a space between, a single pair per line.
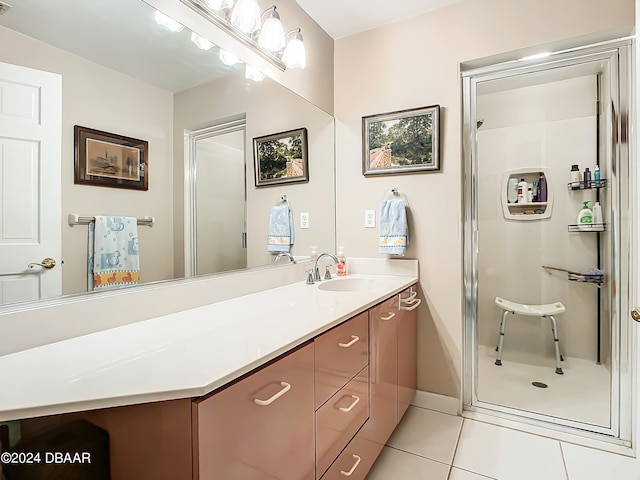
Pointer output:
341, 269
522, 191
596, 177
575, 177
585, 217
542, 188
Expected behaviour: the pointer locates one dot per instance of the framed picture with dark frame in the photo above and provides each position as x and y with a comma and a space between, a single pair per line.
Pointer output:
281, 158
109, 160
406, 141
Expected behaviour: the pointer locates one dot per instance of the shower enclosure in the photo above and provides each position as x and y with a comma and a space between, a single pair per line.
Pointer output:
526, 124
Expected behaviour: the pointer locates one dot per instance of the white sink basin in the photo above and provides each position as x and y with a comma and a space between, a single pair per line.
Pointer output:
349, 285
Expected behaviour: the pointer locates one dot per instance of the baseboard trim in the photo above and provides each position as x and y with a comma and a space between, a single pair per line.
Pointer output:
437, 402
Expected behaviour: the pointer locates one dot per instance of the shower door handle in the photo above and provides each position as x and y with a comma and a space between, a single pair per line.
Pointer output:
635, 313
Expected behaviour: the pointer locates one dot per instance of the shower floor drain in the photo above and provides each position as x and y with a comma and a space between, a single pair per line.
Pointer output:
539, 384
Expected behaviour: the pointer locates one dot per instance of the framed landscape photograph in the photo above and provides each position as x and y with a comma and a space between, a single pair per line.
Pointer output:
109, 160
281, 158
406, 141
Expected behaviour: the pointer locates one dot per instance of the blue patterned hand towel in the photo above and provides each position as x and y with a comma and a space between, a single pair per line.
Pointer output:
113, 252
394, 231
280, 229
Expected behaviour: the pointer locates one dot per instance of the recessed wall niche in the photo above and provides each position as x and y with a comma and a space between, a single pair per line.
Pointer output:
527, 194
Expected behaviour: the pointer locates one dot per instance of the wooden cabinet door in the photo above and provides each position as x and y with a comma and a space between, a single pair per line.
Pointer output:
407, 349
261, 427
383, 365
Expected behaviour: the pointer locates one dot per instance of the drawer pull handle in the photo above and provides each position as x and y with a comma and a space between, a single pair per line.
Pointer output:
388, 317
353, 469
414, 305
356, 399
409, 299
263, 403
354, 339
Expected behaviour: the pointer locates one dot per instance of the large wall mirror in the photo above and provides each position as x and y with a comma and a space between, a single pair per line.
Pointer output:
124, 73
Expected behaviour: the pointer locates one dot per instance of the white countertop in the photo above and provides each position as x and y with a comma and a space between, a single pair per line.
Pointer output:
185, 354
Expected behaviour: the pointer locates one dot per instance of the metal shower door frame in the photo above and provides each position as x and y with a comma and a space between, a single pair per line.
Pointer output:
617, 56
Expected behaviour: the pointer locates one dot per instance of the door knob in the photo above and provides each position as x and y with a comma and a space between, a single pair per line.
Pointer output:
635, 314
47, 263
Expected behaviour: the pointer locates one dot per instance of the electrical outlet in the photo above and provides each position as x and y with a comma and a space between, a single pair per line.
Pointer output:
304, 220
369, 219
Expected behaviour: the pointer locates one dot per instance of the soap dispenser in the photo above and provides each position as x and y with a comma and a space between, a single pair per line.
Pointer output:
585, 217
341, 269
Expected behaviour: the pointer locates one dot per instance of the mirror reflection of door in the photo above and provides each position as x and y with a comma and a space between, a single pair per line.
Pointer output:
219, 199
30, 156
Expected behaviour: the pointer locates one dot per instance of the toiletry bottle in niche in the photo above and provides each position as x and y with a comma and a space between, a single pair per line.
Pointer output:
341, 269
542, 188
598, 222
596, 177
587, 178
585, 217
534, 188
512, 190
522, 191
575, 177
530, 195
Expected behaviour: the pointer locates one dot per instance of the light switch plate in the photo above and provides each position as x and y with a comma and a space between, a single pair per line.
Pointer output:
304, 219
369, 219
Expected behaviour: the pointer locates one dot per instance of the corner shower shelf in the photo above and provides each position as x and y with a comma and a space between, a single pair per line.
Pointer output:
588, 227
590, 186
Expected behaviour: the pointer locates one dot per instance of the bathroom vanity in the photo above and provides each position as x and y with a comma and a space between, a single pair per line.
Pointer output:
299, 381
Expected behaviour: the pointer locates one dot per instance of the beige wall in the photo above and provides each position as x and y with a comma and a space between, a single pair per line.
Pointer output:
269, 108
415, 63
97, 97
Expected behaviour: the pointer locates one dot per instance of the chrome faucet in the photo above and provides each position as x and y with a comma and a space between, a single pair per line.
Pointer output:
284, 254
316, 272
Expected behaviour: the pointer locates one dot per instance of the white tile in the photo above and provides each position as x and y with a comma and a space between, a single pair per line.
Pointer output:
457, 474
589, 464
427, 433
405, 466
508, 454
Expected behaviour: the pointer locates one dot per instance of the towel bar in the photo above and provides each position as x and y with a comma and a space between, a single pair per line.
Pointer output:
75, 219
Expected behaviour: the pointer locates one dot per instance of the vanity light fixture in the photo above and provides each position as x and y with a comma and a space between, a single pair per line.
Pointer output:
168, 22
253, 73
271, 35
201, 42
242, 19
229, 59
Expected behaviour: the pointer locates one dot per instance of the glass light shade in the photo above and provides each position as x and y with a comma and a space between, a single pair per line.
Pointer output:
253, 74
201, 42
272, 34
168, 22
229, 59
246, 16
294, 55
219, 4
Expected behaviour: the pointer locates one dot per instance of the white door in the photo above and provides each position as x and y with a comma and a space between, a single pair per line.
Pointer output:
30, 190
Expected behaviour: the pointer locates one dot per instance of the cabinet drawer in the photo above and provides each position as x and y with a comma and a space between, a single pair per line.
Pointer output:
340, 354
356, 459
338, 420
261, 427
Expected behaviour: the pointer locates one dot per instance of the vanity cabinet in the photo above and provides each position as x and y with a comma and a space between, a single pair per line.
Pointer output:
260, 427
319, 412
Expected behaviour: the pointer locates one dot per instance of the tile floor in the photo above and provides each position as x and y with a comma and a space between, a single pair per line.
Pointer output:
429, 445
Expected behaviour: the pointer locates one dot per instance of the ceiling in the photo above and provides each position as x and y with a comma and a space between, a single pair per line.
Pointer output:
342, 18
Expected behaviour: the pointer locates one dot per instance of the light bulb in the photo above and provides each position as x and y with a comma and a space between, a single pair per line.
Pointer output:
272, 35
219, 4
253, 74
168, 22
201, 42
229, 59
294, 55
246, 16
